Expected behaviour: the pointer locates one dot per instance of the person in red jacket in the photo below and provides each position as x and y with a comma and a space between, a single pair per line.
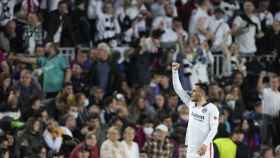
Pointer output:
88, 145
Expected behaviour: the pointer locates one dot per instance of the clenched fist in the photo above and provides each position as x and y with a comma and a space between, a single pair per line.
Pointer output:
175, 66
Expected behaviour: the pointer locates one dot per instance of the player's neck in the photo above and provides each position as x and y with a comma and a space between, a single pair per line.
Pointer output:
201, 102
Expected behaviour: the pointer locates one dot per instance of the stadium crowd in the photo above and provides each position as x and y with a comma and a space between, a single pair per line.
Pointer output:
114, 98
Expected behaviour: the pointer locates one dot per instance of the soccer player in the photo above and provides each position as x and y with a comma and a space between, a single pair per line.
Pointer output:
203, 118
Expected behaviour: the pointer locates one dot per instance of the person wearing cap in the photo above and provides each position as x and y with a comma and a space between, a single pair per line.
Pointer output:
203, 118
159, 146
232, 147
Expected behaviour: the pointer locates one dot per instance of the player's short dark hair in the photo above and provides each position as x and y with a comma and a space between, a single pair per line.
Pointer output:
203, 86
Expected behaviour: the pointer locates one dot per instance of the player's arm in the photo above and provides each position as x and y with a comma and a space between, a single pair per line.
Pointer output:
214, 123
177, 84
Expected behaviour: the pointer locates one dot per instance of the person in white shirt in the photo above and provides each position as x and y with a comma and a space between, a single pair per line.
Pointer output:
246, 28
271, 102
131, 148
53, 136
107, 24
203, 118
270, 95
200, 20
220, 30
112, 148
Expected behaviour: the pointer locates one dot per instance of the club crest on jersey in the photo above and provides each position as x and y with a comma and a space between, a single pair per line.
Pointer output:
204, 110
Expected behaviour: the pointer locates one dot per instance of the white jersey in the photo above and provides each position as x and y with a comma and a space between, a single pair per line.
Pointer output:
203, 121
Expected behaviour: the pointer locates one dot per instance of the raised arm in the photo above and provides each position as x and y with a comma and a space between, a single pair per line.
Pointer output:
27, 60
177, 84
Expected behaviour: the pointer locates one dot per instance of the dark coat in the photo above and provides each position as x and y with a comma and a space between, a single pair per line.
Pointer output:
67, 34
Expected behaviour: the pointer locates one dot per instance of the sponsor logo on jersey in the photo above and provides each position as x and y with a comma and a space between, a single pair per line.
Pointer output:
204, 110
198, 117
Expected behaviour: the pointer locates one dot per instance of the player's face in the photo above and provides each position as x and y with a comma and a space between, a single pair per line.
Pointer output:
196, 94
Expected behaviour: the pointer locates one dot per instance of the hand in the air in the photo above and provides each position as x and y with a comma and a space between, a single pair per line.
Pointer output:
175, 66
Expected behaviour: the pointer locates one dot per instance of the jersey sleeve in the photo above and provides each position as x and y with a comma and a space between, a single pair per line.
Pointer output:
214, 123
178, 87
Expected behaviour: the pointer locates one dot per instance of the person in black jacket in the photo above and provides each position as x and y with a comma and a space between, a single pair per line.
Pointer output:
60, 26
29, 142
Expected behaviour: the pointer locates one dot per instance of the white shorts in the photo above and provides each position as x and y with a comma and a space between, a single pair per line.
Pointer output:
192, 153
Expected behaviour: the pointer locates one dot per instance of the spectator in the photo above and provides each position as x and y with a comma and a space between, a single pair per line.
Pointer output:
160, 137
94, 125
82, 27
265, 16
88, 144
267, 152
109, 111
101, 73
52, 67
6, 35
246, 28
4, 67
53, 137
65, 98
220, 30
231, 147
252, 136
97, 96
145, 132
233, 62
200, 21
130, 147
30, 141
235, 102
28, 88
183, 117
160, 106
107, 25
271, 101
59, 26
10, 107
78, 78
33, 33
112, 148
138, 108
